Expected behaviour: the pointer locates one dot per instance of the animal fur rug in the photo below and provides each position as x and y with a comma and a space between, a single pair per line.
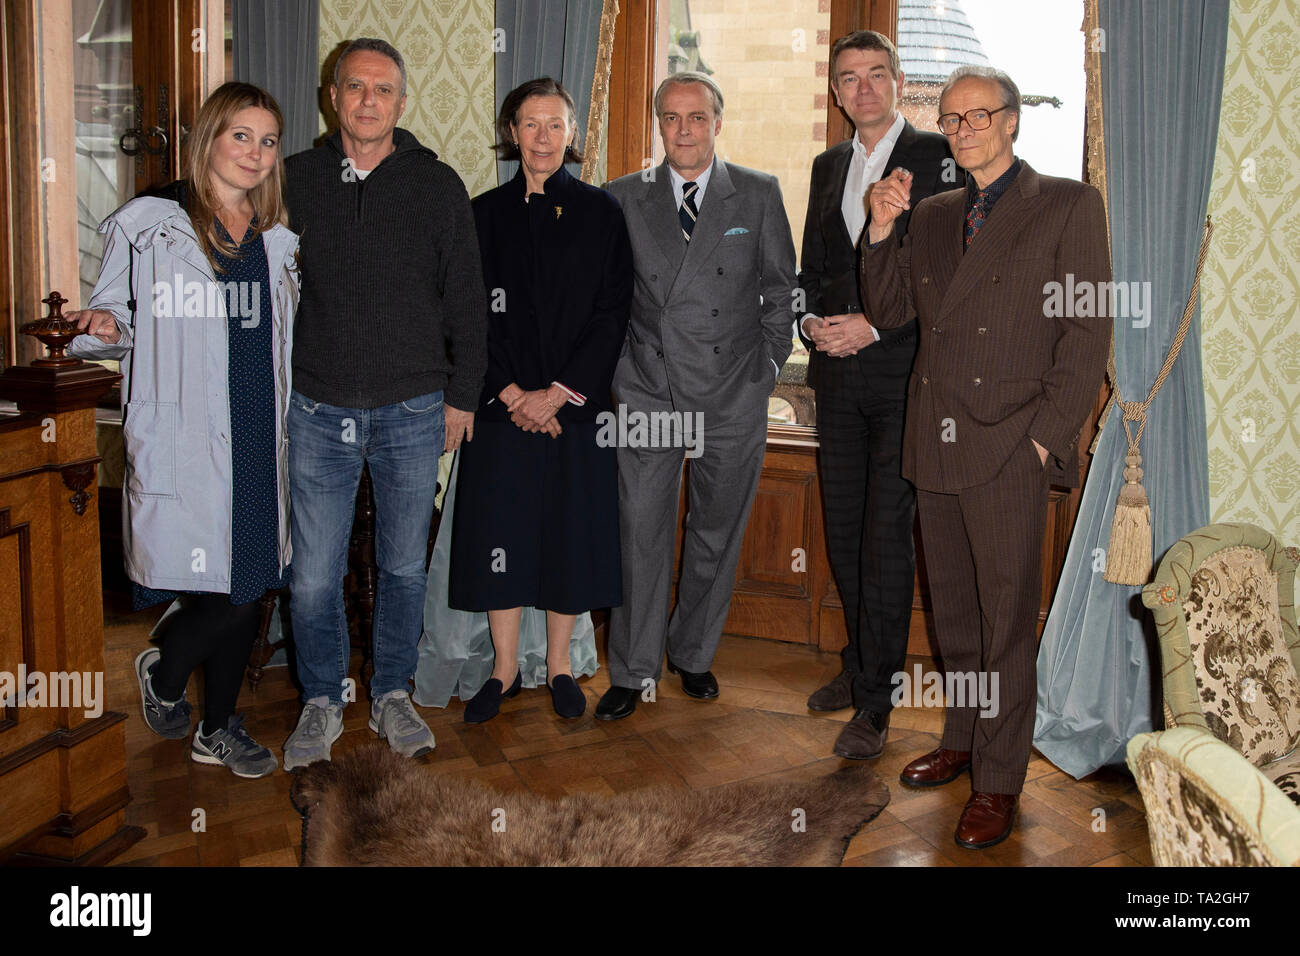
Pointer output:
371, 807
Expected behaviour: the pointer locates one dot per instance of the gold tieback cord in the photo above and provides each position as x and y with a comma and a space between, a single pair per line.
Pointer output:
598, 109
1129, 556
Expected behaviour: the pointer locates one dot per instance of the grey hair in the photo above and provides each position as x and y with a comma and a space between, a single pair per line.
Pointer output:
1007, 86
684, 77
372, 45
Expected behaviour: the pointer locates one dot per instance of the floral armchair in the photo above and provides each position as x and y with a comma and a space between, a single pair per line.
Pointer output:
1221, 783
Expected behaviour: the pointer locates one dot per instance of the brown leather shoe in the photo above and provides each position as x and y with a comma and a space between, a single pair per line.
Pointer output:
987, 819
837, 695
863, 737
936, 768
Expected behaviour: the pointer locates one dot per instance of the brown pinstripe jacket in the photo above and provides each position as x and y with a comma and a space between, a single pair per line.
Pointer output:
993, 367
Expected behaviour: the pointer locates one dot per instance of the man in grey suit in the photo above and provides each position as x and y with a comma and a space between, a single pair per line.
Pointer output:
711, 326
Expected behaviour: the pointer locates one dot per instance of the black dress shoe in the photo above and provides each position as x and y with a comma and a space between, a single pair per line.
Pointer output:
566, 696
617, 703
486, 704
700, 686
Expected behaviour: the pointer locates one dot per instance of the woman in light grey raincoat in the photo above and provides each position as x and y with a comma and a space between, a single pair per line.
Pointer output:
196, 297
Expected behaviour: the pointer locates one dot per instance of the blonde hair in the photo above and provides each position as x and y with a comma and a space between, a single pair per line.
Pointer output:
215, 117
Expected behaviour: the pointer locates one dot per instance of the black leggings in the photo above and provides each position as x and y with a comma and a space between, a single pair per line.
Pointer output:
207, 630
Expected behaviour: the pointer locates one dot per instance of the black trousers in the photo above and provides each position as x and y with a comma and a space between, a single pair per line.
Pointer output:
870, 509
207, 631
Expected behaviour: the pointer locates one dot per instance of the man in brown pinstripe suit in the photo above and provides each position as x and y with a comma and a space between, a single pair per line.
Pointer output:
1001, 385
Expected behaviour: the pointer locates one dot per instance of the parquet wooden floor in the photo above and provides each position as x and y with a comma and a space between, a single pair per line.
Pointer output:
759, 727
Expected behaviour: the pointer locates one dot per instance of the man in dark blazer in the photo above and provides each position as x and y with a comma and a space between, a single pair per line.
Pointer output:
711, 325
860, 376
1003, 380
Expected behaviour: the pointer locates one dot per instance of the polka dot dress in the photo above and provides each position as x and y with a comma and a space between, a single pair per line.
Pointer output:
254, 530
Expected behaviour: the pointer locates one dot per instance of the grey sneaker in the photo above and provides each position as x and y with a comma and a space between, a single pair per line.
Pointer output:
232, 747
319, 725
393, 717
166, 720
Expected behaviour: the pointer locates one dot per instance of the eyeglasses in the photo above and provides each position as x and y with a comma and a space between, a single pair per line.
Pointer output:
949, 123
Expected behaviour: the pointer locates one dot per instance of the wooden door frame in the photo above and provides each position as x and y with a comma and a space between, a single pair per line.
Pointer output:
23, 223
164, 32
39, 249
630, 136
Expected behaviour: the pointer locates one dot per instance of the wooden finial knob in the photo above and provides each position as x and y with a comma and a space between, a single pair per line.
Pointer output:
56, 302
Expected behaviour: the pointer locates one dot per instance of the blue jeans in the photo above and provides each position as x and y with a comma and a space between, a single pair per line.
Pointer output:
327, 447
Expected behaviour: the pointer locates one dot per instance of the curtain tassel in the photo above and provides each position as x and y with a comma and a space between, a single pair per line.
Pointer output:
1129, 556
1128, 559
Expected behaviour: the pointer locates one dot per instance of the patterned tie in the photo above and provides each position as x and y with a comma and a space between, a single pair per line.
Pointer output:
975, 218
688, 213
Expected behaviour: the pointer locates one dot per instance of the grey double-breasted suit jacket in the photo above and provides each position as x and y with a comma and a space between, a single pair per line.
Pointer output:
709, 318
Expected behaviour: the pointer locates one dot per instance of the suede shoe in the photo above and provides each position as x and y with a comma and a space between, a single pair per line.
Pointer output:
936, 768
394, 718
319, 725
617, 703
231, 747
166, 720
486, 704
987, 819
703, 686
863, 737
567, 697
837, 695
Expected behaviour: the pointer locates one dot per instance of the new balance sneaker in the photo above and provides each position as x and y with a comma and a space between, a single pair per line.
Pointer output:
232, 747
393, 717
319, 725
166, 720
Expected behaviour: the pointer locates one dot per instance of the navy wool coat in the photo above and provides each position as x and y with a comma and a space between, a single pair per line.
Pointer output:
536, 522
558, 270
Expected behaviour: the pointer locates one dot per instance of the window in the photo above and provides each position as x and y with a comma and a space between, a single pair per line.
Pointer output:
1039, 45
769, 57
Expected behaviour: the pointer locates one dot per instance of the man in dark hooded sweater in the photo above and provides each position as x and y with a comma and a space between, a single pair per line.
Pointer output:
389, 356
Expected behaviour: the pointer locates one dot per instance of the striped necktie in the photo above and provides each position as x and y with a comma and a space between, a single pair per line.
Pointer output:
688, 213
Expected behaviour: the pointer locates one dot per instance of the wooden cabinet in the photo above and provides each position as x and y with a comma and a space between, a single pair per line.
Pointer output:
63, 788
784, 589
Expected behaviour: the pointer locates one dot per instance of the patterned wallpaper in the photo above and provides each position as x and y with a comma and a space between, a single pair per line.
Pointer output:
447, 45
1250, 291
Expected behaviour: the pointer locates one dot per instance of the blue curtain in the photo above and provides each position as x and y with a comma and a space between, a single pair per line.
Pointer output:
558, 39
1162, 80
275, 45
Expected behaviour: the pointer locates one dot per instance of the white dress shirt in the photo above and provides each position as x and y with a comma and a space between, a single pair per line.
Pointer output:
864, 169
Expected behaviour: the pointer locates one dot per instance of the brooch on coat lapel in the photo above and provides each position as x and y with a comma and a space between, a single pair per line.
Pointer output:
559, 211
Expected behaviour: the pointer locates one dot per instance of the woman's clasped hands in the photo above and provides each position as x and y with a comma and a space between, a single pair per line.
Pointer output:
532, 411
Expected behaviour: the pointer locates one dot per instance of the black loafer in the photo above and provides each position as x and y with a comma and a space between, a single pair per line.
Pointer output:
700, 686
617, 703
567, 697
486, 704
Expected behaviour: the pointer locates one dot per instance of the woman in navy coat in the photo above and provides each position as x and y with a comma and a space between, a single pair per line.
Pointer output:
536, 512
